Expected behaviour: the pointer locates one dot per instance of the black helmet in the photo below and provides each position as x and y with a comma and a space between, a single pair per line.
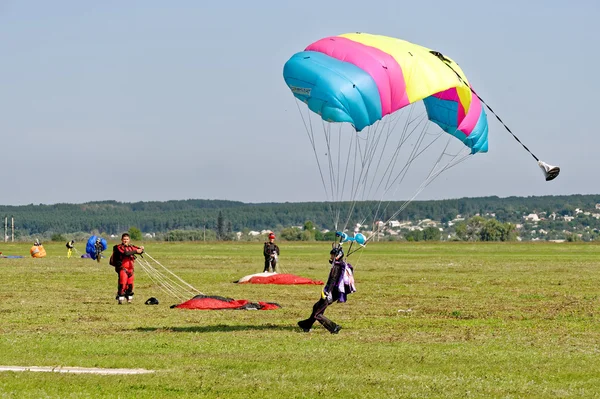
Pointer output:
151, 301
337, 251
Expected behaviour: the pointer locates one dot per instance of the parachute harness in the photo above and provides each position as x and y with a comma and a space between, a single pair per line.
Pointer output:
550, 171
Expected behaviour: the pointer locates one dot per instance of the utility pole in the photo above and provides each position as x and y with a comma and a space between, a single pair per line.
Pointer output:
5, 228
12, 221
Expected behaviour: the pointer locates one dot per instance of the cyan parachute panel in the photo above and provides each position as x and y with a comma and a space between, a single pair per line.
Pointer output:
336, 90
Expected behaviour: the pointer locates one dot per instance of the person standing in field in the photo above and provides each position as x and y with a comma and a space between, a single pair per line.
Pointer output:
271, 252
70, 247
123, 259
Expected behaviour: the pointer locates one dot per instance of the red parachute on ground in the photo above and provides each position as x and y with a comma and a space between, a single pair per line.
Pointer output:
177, 288
277, 278
208, 302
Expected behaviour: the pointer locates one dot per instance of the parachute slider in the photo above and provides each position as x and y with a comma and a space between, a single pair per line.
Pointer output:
358, 238
550, 172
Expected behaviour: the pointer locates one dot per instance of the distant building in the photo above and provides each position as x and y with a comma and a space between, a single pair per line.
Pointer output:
532, 217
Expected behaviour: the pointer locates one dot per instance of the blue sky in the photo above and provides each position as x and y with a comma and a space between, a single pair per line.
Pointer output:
154, 100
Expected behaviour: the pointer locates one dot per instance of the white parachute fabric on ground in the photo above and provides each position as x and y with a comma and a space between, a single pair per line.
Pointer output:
250, 276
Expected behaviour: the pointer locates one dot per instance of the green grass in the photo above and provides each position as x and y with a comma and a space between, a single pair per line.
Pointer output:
445, 320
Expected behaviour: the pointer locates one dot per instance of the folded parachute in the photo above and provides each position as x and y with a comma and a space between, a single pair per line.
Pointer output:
359, 78
37, 251
277, 278
208, 302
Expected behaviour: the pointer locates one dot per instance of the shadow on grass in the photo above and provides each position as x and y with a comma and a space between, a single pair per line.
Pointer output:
220, 328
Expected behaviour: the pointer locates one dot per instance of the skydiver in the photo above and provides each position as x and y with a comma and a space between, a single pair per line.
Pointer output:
70, 246
123, 258
339, 285
271, 252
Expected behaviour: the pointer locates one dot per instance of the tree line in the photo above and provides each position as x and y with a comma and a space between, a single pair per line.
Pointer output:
222, 218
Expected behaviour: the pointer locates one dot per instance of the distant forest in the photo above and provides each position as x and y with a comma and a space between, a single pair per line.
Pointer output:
112, 217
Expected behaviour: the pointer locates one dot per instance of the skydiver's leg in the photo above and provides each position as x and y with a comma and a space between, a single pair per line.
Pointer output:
328, 324
274, 264
122, 285
129, 288
317, 312
267, 262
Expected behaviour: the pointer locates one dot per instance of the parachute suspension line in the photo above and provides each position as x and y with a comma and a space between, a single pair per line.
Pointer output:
380, 155
175, 287
352, 147
311, 138
404, 137
433, 174
400, 175
431, 177
333, 180
385, 144
346, 168
382, 132
335, 167
365, 156
173, 274
164, 284
391, 163
165, 287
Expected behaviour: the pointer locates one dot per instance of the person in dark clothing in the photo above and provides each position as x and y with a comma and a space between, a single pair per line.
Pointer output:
123, 259
70, 247
271, 252
339, 285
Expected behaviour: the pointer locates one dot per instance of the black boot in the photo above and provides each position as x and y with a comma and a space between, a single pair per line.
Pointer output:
305, 325
336, 329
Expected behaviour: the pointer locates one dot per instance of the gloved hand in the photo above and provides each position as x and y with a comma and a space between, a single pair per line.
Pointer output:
327, 296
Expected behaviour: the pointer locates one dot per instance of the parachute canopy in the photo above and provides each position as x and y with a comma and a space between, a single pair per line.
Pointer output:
359, 78
277, 278
214, 302
37, 251
90, 247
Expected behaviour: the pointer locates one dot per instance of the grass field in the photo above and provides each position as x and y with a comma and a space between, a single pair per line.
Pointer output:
506, 320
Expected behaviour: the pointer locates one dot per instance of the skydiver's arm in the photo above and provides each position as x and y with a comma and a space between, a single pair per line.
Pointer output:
334, 276
130, 250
